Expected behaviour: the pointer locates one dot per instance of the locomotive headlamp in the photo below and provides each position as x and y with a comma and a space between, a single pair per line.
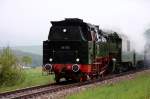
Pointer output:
75, 68
114, 59
77, 59
50, 59
64, 30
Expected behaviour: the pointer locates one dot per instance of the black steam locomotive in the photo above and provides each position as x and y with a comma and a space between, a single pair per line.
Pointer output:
80, 51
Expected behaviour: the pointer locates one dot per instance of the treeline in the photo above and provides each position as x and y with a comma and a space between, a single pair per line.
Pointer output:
36, 59
11, 71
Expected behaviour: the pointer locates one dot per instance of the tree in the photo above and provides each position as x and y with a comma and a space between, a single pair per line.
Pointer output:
10, 71
26, 60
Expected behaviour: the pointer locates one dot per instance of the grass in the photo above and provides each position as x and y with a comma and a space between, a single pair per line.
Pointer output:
138, 88
33, 77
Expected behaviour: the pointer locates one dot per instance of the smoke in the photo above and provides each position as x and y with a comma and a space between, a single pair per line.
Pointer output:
133, 34
147, 47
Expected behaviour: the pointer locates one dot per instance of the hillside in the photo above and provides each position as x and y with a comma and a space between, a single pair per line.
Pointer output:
35, 49
36, 59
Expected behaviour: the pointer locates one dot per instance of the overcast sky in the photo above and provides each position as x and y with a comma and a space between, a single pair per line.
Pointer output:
27, 22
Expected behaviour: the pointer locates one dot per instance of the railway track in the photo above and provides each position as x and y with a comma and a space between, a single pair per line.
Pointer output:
41, 90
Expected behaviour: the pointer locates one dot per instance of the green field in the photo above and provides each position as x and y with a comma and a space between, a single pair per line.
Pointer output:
138, 88
33, 77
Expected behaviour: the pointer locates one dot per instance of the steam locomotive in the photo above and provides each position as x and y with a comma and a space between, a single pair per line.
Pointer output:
76, 50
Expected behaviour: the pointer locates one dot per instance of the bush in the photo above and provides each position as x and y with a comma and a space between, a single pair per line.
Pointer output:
10, 71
